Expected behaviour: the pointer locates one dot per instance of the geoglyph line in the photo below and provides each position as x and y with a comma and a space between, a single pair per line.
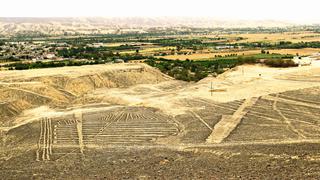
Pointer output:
44, 145
279, 99
286, 120
203, 121
39, 142
44, 140
228, 123
78, 118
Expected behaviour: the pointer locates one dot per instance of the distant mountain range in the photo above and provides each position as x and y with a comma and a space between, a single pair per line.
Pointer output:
100, 25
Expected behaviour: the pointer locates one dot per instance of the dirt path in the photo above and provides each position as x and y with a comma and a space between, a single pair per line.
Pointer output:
228, 123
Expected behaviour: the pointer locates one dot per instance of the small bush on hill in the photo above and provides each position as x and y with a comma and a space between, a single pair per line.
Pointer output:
280, 63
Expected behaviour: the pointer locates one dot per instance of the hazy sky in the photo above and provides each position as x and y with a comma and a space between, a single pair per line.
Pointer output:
294, 10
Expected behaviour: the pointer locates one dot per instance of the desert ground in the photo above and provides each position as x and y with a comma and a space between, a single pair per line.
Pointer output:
130, 121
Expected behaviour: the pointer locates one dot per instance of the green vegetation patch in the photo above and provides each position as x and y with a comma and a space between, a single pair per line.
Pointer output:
197, 70
39, 64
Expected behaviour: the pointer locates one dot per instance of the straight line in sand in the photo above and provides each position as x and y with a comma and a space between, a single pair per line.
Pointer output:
228, 123
78, 118
286, 120
289, 101
200, 119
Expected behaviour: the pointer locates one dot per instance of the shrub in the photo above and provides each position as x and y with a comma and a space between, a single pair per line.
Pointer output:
280, 63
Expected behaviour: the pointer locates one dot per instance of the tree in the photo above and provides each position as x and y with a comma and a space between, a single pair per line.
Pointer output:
195, 48
179, 48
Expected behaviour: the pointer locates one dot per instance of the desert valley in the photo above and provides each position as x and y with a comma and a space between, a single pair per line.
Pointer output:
158, 103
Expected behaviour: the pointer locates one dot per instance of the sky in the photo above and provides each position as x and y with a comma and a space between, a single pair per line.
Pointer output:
301, 11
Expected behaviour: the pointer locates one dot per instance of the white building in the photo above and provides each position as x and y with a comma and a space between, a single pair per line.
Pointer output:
224, 47
50, 55
302, 61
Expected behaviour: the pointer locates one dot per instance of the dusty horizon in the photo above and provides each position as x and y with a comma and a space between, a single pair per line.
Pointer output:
217, 18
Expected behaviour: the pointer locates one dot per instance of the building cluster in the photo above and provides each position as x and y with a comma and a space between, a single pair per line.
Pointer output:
34, 51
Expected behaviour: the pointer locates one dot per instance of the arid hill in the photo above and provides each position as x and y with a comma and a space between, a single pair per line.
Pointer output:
65, 87
131, 121
74, 26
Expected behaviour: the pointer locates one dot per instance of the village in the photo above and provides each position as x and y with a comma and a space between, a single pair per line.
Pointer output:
24, 52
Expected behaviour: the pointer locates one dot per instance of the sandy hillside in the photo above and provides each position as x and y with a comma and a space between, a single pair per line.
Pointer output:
61, 88
86, 87
129, 120
239, 83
